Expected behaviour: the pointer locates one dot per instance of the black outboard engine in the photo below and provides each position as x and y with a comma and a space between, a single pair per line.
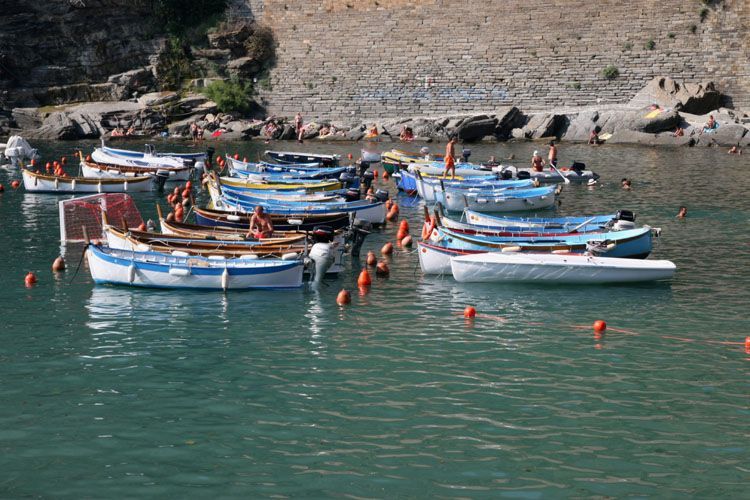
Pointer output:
347, 179
367, 179
210, 157
465, 153
624, 219
506, 175
322, 234
625, 215
381, 195
160, 179
352, 194
363, 166
523, 175
356, 235
578, 167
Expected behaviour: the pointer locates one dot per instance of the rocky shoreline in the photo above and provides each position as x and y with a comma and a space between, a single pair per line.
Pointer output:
651, 118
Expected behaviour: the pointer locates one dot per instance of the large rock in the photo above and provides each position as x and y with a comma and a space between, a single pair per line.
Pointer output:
642, 121
475, 128
729, 134
625, 136
508, 118
428, 128
243, 67
56, 126
696, 98
139, 79
27, 118
544, 125
580, 126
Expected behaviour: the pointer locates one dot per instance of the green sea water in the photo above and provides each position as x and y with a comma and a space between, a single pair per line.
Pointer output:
111, 392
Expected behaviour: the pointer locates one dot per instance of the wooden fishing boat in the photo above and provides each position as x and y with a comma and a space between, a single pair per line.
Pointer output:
396, 160
502, 267
101, 170
298, 221
99, 155
151, 151
299, 187
36, 182
480, 219
431, 189
548, 175
301, 157
181, 270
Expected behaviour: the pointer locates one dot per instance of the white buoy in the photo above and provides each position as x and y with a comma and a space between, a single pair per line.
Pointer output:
131, 273
225, 279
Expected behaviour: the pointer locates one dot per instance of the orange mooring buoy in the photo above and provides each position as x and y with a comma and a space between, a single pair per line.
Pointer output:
30, 279
364, 278
392, 215
469, 312
387, 249
386, 175
382, 269
404, 225
15, 184
371, 259
401, 234
407, 241
600, 325
375, 173
344, 297
747, 345
59, 264
142, 226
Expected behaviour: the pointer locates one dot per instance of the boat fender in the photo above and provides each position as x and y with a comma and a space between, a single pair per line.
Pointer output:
179, 271
427, 228
290, 256
560, 252
73, 185
131, 273
233, 218
623, 225
511, 249
225, 279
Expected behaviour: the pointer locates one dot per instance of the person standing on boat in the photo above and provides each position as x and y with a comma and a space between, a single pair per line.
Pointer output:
537, 162
298, 126
261, 225
450, 161
552, 156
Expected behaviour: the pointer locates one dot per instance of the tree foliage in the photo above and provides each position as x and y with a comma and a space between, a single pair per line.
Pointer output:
232, 95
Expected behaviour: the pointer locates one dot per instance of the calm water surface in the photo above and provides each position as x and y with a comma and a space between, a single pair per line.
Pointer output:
117, 392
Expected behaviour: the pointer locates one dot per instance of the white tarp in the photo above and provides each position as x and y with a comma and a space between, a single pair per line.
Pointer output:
18, 149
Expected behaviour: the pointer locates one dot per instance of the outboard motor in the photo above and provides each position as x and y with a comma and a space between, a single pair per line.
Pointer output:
356, 235
323, 234
363, 166
160, 179
465, 153
352, 194
151, 226
209, 157
624, 219
578, 167
320, 259
347, 179
523, 175
381, 195
367, 179
506, 175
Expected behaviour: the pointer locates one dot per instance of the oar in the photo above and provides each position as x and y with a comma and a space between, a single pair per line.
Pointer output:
553, 167
579, 226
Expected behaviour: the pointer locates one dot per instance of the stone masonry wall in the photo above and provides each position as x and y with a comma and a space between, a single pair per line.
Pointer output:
389, 58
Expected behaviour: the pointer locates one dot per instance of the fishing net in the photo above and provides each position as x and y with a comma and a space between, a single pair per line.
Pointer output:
86, 212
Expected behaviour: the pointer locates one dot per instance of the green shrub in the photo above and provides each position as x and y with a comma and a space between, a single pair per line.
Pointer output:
704, 13
650, 45
670, 35
693, 28
232, 95
173, 66
610, 72
260, 45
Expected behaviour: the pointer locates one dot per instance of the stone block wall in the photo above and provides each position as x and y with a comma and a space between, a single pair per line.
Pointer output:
389, 58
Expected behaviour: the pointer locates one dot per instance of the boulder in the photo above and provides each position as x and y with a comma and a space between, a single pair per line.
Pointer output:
580, 126
508, 118
475, 128
288, 133
696, 98
311, 130
729, 134
243, 67
624, 136
642, 121
428, 128
26, 118
544, 125
158, 98
180, 128
56, 126
140, 78
230, 39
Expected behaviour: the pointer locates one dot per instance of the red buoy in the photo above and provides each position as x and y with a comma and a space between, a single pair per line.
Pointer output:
189, 185
382, 269
58, 265
33, 162
600, 325
30, 279
371, 259
400, 235
142, 227
375, 173
386, 175
344, 297
407, 241
236, 156
2, 188
88, 157
364, 278
394, 208
387, 249
392, 215
219, 159
15, 184
747, 345
404, 224
349, 156
469, 312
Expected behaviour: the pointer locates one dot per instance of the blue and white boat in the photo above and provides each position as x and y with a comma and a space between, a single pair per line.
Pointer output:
151, 151
180, 270
497, 200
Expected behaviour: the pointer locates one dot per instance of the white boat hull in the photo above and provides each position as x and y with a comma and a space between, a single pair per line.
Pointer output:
495, 202
49, 184
432, 261
556, 268
179, 175
168, 271
148, 161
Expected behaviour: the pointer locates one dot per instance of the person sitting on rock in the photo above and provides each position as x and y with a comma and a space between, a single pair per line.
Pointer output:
118, 132
736, 150
711, 125
594, 137
373, 131
537, 162
406, 135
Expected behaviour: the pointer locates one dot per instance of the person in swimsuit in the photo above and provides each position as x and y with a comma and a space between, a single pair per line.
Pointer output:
537, 162
450, 162
552, 154
261, 225
298, 126
682, 213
